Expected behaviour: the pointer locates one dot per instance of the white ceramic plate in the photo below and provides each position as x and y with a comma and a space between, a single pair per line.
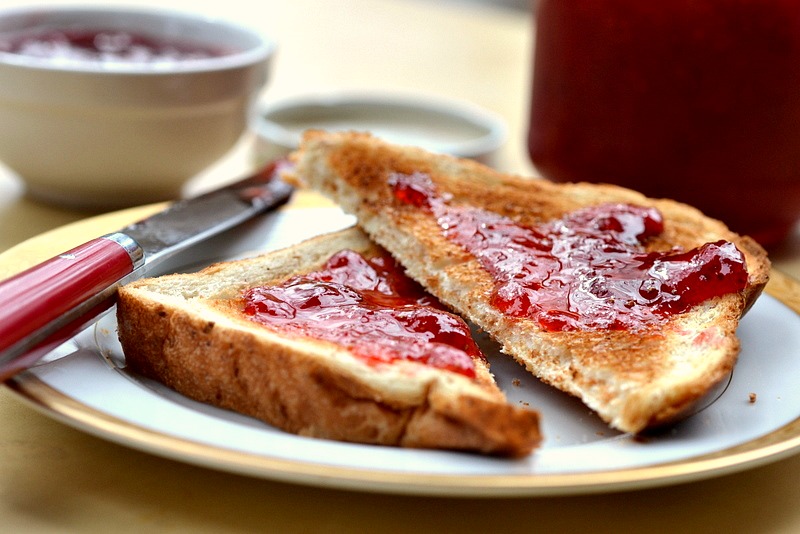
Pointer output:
85, 385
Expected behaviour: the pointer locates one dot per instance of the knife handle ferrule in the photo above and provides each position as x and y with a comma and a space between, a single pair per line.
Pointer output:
130, 246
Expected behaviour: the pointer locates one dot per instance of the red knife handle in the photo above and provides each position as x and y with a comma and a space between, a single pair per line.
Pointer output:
33, 302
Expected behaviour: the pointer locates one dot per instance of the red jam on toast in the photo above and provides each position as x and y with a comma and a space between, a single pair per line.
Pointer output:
588, 270
372, 308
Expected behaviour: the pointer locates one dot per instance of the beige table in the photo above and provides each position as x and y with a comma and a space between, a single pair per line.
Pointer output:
57, 479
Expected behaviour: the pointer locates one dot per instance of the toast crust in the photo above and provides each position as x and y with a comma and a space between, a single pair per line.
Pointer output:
633, 381
188, 332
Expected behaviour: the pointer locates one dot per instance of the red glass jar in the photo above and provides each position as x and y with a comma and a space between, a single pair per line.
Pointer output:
693, 100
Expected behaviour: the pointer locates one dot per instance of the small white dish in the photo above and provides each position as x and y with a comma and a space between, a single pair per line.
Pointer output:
444, 126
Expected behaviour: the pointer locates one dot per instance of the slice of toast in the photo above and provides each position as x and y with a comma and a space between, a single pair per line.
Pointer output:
633, 379
189, 332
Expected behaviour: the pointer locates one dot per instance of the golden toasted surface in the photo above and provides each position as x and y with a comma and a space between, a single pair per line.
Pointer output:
633, 380
188, 332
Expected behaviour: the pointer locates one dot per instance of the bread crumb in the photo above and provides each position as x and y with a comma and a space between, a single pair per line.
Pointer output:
516, 382
752, 398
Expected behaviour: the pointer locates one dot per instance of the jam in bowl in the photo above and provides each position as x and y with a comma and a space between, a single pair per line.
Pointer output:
104, 108
105, 46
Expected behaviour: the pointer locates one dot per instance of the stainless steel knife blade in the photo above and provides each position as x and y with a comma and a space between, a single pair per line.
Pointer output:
46, 304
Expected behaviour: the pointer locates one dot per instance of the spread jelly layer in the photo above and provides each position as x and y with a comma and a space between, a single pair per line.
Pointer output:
588, 270
372, 308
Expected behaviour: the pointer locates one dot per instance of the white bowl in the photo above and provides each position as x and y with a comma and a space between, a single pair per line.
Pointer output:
108, 135
439, 125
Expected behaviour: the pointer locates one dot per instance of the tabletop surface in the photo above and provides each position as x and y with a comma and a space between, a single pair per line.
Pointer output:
54, 478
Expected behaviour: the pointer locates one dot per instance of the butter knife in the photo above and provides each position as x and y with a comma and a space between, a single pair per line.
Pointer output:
44, 306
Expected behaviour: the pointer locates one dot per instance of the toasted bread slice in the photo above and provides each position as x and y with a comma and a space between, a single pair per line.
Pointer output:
189, 332
634, 380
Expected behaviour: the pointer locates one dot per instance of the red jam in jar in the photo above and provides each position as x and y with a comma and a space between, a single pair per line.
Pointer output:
586, 271
371, 307
104, 46
693, 100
